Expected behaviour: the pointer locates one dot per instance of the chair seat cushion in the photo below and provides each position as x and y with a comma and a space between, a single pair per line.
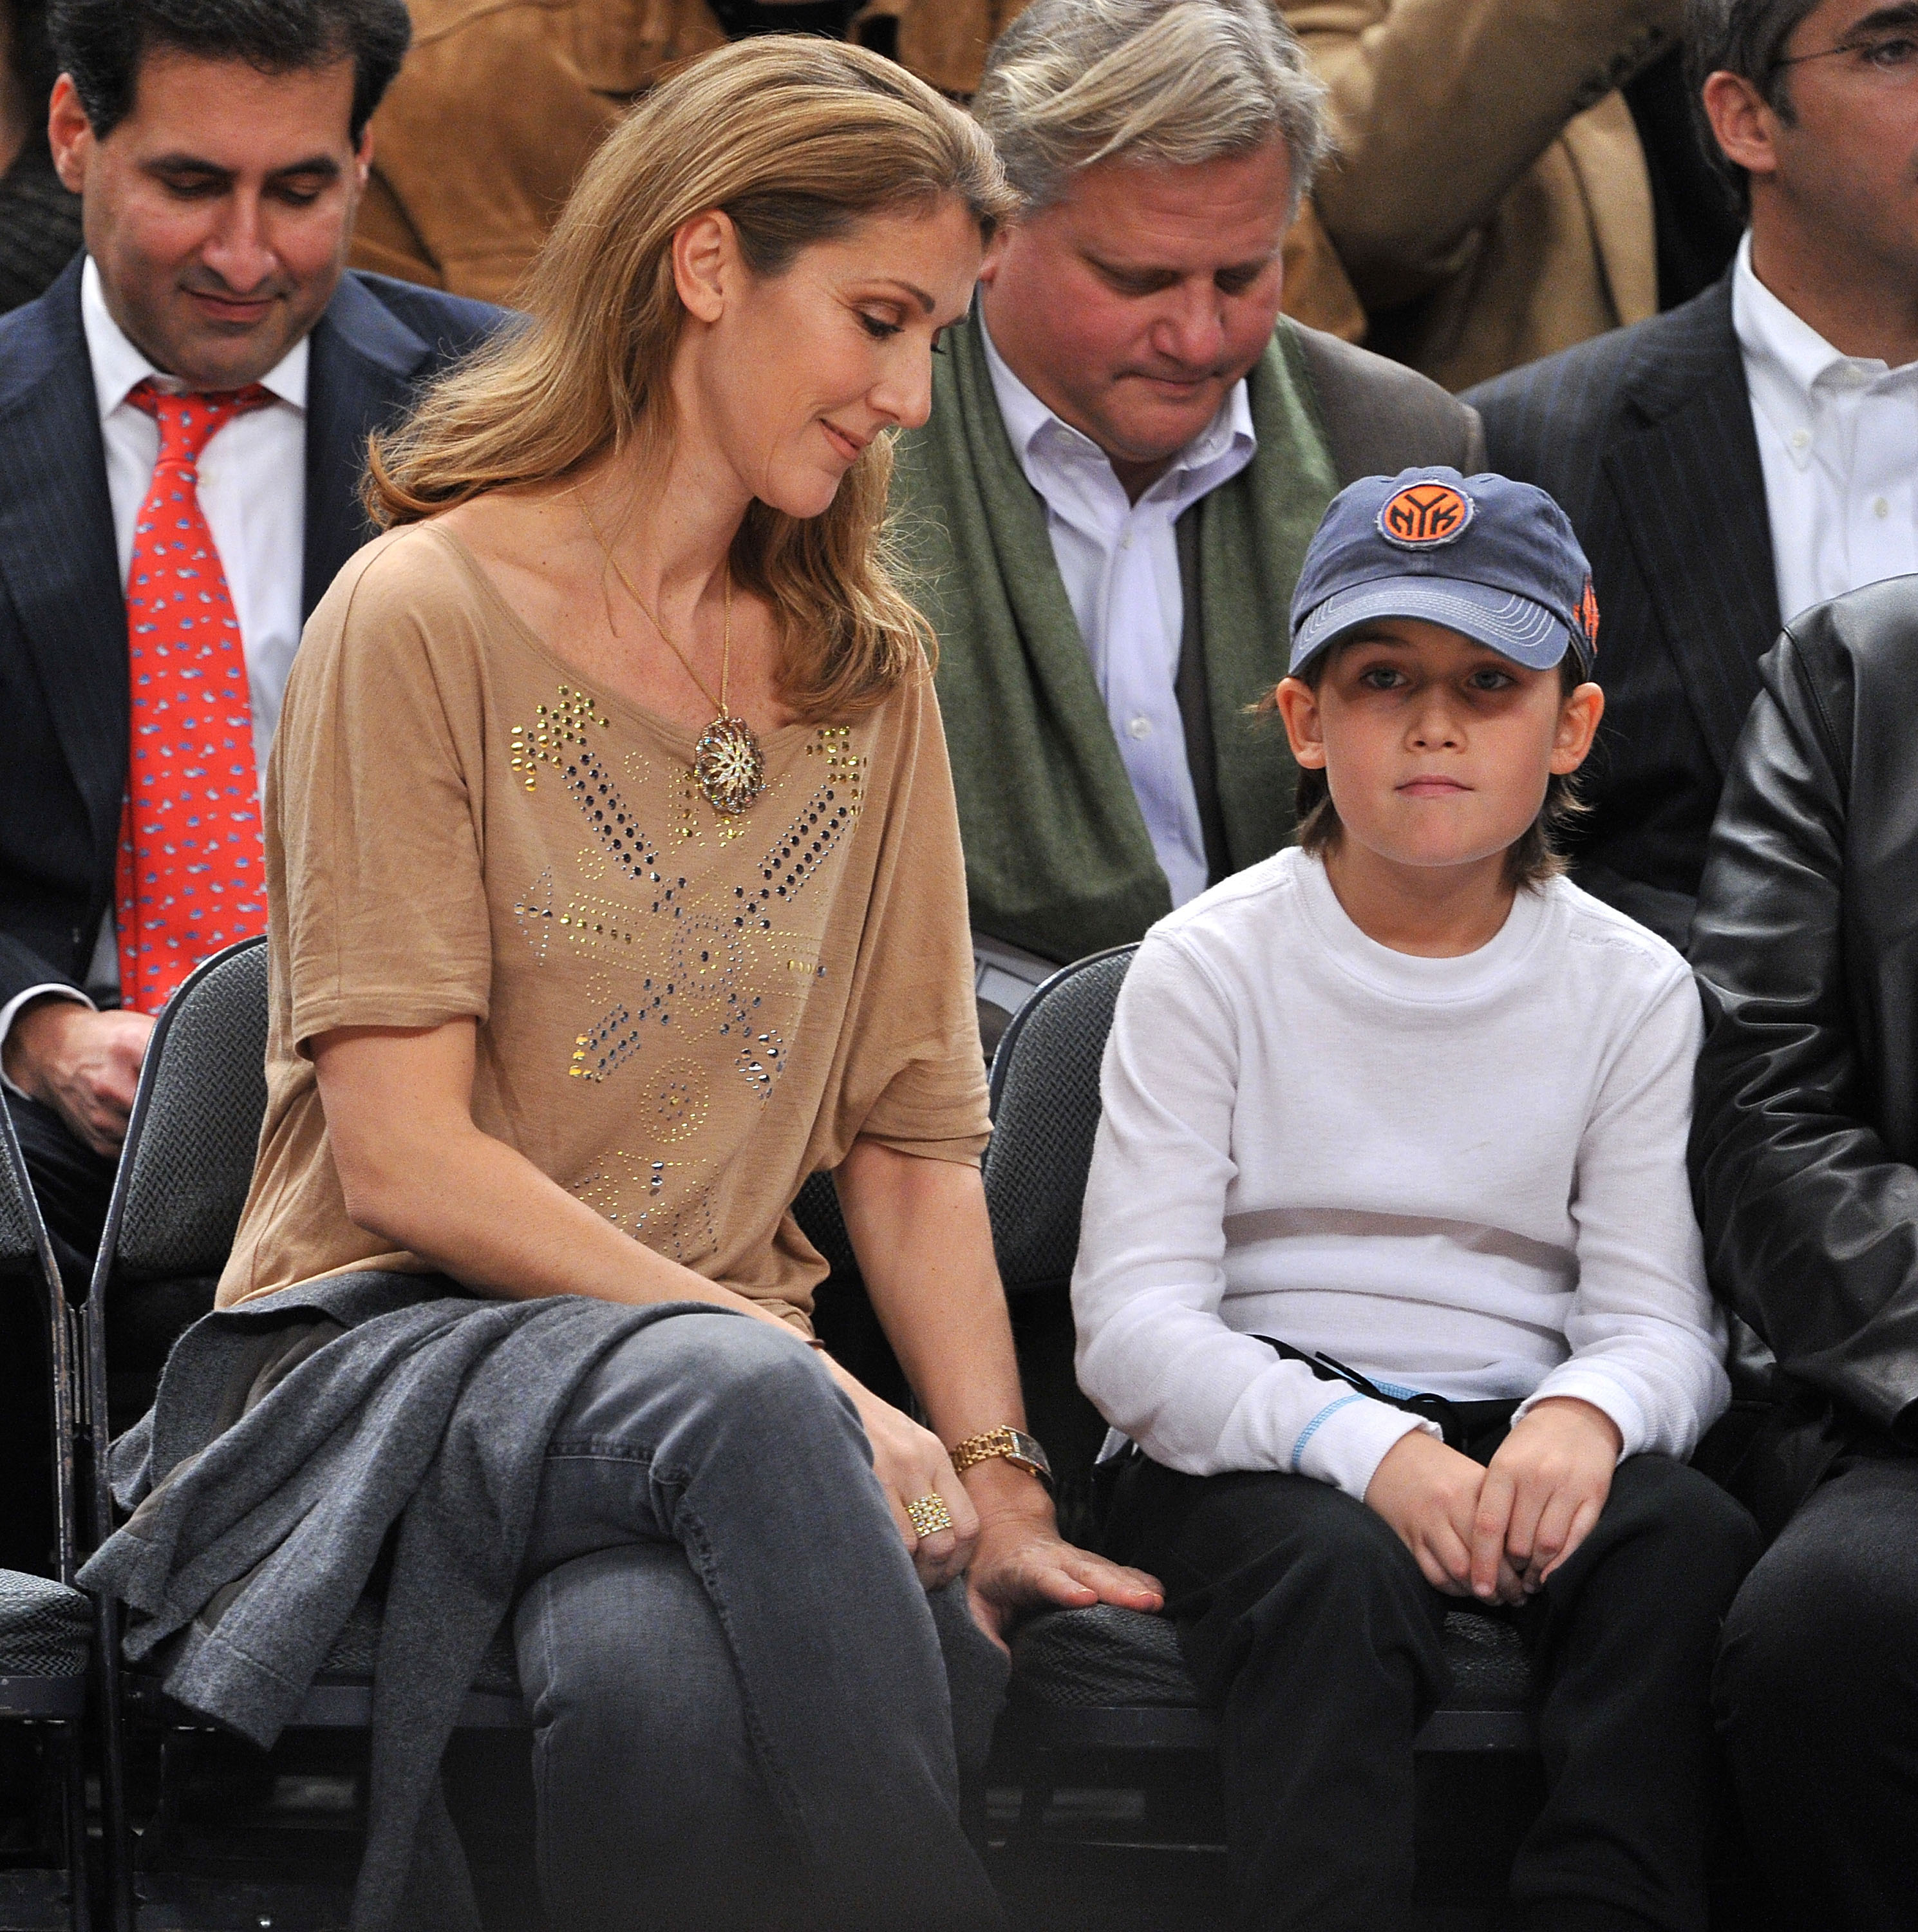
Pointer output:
46, 1628
358, 1644
1105, 1658
1101, 1657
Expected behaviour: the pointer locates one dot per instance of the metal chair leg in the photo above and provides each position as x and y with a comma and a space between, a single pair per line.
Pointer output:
68, 1742
116, 1827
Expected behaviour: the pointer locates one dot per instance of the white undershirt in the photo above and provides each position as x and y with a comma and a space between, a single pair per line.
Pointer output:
1838, 442
1119, 561
252, 492
1465, 1176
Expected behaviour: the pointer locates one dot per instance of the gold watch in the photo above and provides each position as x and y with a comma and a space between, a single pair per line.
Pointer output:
1021, 1450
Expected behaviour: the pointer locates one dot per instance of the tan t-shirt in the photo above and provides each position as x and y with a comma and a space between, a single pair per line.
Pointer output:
680, 1015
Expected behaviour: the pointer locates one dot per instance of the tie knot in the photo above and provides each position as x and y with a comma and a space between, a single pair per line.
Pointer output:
189, 421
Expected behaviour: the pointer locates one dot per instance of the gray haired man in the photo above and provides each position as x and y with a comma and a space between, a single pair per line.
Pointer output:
1129, 450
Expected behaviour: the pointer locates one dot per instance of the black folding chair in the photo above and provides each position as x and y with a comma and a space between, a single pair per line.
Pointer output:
1104, 1681
182, 1181
46, 1623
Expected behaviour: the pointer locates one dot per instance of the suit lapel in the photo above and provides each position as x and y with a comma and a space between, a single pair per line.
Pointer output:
1686, 473
57, 551
362, 363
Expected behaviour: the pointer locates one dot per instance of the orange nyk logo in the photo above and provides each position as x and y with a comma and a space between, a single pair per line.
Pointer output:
1425, 515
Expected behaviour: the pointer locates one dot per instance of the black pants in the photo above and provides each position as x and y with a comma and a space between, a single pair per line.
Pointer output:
72, 1183
1308, 1622
1817, 1696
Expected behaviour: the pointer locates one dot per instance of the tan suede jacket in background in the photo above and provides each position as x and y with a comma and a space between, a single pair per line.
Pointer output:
501, 102
1491, 204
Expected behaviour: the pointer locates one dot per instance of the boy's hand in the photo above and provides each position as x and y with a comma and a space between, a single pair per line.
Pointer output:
1430, 1495
1542, 1493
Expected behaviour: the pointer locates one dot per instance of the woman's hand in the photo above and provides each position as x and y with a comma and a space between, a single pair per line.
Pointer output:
1430, 1495
911, 1462
1022, 1564
1542, 1492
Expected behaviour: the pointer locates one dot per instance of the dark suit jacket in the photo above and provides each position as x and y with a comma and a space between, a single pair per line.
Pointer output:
62, 624
1645, 436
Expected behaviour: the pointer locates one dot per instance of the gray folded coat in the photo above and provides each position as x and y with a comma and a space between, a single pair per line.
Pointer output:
290, 1438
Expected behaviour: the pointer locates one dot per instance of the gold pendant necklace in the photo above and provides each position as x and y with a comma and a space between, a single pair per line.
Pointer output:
728, 766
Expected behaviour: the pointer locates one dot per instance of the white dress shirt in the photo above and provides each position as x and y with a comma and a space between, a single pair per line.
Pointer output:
1837, 439
252, 492
1119, 562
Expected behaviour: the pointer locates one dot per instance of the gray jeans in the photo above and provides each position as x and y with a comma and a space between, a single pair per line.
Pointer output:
743, 1704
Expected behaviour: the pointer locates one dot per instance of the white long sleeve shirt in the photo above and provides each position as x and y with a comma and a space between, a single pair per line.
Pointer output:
1119, 561
1837, 436
1461, 1175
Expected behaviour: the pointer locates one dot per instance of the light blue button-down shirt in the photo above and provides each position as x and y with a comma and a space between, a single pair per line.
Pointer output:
1119, 563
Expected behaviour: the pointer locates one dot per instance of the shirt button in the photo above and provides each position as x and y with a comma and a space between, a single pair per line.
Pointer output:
1801, 438
1140, 727
1880, 507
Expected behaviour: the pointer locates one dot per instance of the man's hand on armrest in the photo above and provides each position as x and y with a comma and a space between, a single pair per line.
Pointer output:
83, 1064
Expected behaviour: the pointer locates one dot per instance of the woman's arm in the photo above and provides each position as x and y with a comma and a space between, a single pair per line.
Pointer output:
919, 1228
416, 1172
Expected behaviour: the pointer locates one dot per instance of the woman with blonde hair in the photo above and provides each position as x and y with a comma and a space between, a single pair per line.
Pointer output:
615, 888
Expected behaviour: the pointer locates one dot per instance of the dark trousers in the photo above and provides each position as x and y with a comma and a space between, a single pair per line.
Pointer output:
70, 1181
72, 1184
1307, 1620
1817, 1696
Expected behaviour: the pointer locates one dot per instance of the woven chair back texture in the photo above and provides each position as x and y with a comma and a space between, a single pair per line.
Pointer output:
195, 1156
17, 1248
1048, 1112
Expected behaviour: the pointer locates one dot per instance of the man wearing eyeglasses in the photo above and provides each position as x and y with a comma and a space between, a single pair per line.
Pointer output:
1750, 454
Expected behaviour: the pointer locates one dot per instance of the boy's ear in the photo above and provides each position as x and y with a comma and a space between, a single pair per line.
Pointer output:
1578, 724
1299, 706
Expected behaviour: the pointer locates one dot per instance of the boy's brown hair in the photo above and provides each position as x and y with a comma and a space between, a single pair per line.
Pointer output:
1529, 860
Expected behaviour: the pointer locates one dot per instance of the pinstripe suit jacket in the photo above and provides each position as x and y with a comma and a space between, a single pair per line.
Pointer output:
63, 623
1645, 436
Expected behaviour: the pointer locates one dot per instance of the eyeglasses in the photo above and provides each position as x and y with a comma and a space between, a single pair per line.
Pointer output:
1891, 56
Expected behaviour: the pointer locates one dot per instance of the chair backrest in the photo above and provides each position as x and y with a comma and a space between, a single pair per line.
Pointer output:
1045, 1111
21, 1231
188, 1158
26, 1254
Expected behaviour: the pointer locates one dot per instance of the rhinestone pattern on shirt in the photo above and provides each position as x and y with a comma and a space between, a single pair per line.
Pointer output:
191, 875
701, 967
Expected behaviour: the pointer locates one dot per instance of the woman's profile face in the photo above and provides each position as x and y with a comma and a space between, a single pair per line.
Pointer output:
793, 375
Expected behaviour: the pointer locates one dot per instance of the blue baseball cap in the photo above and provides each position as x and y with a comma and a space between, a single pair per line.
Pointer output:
1494, 559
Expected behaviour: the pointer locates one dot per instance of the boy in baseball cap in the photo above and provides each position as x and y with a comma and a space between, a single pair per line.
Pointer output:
1388, 1271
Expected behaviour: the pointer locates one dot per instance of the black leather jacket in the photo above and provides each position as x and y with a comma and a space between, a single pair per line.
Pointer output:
1805, 1136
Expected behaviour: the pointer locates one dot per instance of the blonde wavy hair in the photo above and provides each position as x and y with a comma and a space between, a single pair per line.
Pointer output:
797, 141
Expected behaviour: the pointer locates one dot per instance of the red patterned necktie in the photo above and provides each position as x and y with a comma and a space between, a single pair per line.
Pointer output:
191, 876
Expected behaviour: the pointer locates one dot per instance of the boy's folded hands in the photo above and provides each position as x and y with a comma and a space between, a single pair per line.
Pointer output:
1542, 1493
1497, 1533
1429, 1495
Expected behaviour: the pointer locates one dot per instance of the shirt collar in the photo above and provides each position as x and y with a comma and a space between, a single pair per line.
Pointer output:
1770, 333
118, 368
1228, 441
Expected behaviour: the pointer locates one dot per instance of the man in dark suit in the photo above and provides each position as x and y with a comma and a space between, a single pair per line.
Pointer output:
219, 149
1748, 454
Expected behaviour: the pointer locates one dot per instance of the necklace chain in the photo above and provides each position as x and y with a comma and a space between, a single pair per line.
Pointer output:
728, 766
718, 703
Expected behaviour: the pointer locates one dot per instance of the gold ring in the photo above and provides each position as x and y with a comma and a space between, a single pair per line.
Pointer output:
929, 1514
